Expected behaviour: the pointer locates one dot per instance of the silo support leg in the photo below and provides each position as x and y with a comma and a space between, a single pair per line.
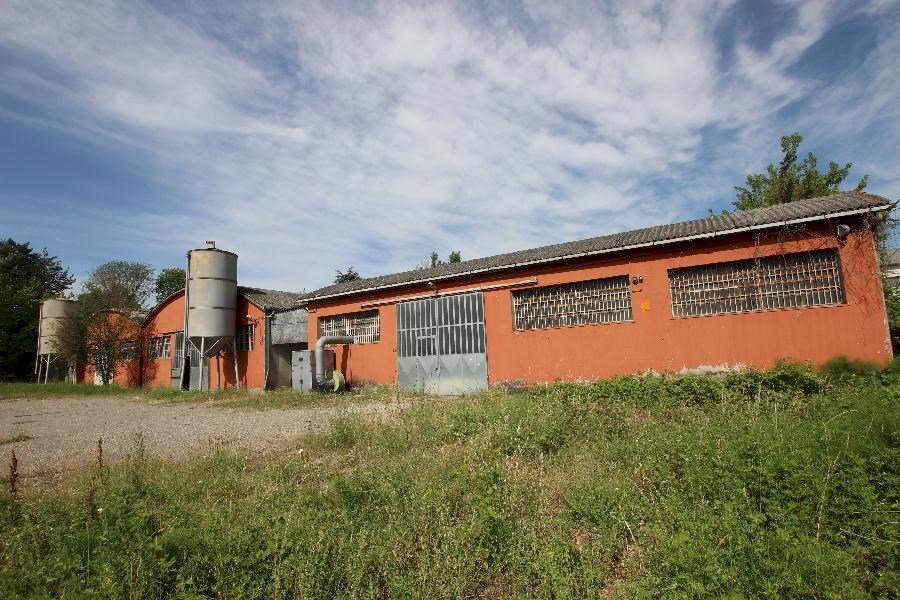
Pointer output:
202, 356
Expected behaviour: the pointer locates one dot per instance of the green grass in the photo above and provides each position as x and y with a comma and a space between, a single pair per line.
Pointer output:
778, 484
60, 390
228, 398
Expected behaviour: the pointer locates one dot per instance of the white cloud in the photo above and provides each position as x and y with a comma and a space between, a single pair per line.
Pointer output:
309, 137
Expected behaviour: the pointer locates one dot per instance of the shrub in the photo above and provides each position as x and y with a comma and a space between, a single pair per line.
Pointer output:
788, 376
841, 367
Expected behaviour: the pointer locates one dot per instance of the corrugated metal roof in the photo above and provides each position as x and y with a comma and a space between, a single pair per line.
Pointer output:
772, 216
270, 299
265, 299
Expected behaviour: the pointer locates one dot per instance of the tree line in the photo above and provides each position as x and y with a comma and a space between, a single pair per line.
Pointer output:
432, 261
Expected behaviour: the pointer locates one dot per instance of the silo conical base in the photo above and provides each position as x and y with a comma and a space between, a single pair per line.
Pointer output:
201, 349
51, 368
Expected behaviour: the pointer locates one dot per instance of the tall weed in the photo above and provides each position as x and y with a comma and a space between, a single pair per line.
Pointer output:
757, 484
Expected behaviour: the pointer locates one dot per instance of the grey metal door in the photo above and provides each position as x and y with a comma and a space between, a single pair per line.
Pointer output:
177, 360
199, 369
440, 344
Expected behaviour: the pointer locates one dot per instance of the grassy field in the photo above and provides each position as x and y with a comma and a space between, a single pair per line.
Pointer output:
776, 484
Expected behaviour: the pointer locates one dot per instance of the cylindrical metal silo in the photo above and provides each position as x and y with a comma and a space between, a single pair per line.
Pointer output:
53, 313
212, 298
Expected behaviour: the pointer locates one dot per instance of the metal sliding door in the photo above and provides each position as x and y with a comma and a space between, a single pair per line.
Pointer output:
440, 344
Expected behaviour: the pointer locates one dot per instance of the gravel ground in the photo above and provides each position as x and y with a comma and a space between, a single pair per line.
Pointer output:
64, 432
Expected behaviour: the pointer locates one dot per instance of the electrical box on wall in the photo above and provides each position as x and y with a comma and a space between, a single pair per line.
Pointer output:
303, 368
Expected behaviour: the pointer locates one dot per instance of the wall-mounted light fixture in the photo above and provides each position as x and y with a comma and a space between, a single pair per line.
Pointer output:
841, 232
636, 279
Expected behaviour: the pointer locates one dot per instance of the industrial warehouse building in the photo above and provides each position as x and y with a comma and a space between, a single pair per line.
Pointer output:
798, 281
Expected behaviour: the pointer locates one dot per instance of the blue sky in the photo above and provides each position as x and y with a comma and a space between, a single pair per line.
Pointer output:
308, 137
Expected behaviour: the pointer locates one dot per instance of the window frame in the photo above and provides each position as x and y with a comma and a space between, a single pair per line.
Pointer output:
129, 350
178, 354
564, 320
159, 347
762, 289
351, 323
243, 338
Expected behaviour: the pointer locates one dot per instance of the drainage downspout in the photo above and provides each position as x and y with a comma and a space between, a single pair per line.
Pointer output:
320, 353
185, 341
267, 337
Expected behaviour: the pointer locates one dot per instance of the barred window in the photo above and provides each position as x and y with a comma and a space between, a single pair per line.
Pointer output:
583, 303
158, 347
783, 281
128, 351
364, 327
244, 339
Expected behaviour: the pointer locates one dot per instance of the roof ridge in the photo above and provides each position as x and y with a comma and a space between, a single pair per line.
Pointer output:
820, 207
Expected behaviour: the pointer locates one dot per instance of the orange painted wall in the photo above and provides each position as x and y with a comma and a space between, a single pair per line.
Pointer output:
127, 375
251, 365
654, 339
167, 319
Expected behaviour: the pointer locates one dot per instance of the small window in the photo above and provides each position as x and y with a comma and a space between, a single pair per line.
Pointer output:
158, 347
584, 303
364, 327
178, 358
771, 283
244, 341
128, 351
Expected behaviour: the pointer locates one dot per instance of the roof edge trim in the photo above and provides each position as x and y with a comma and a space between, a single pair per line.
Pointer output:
159, 305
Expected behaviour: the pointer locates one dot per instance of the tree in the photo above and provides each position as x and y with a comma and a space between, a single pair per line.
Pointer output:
344, 276
168, 282
435, 260
892, 307
104, 333
791, 180
121, 285
103, 338
26, 278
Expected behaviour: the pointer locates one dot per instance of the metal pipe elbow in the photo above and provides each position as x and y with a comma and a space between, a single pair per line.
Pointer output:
320, 353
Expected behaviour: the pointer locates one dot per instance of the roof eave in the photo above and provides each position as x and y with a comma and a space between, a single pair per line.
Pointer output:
153, 311
687, 238
253, 302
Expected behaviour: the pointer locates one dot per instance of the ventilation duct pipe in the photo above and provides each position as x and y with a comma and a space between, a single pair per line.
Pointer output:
320, 353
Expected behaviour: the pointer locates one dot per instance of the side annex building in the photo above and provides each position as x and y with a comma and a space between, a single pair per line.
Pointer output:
266, 331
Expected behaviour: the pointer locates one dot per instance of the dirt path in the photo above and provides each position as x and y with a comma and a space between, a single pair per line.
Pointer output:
64, 432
